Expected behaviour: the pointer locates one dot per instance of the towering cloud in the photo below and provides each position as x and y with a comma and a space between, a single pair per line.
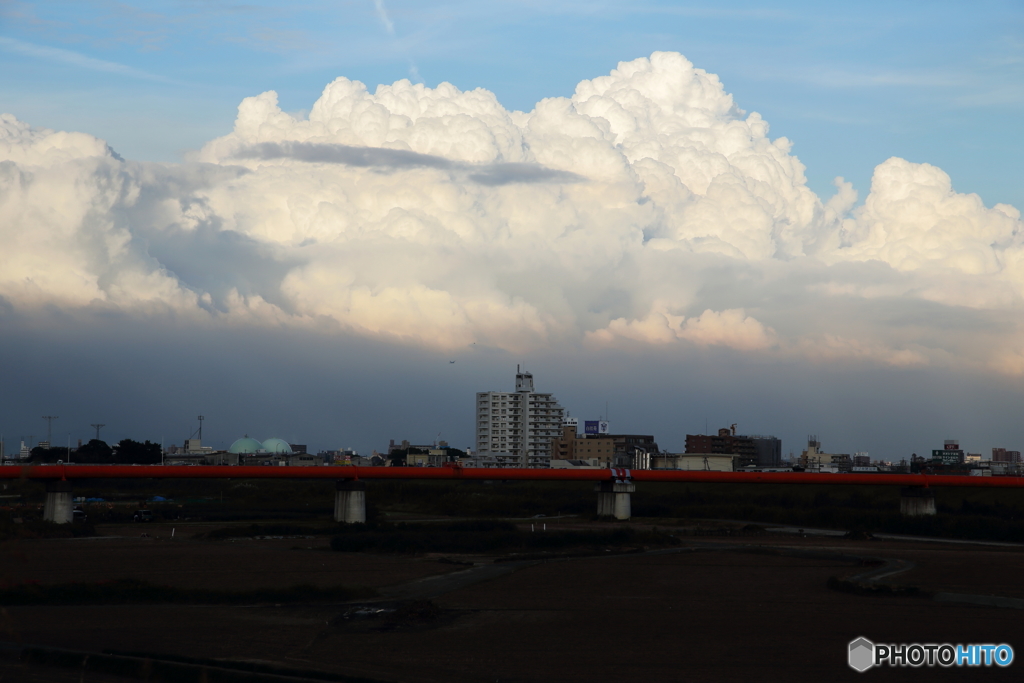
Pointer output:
645, 209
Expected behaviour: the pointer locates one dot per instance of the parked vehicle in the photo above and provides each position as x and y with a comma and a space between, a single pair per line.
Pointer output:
143, 516
78, 515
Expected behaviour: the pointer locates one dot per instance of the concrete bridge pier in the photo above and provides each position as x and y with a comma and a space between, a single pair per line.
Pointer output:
58, 505
916, 501
613, 499
350, 501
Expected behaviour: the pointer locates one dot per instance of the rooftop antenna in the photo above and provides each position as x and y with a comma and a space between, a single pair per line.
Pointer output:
201, 418
49, 427
97, 427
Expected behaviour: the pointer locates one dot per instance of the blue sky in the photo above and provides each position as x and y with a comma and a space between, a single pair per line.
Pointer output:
680, 269
850, 84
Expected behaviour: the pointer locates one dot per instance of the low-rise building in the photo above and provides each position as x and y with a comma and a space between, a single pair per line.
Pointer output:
432, 457
634, 451
768, 450
727, 442
569, 445
479, 460
696, 462
562, 446
600, 448
1003, 455
563, 464
185, 459
221, 458
951, 454
813, 459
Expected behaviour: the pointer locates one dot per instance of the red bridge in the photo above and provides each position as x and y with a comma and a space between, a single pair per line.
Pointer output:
67, 472
614, 486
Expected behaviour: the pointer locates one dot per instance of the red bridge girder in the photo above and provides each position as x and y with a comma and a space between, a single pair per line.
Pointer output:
61, 472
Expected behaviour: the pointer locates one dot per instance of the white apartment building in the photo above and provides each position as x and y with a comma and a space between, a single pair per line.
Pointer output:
516, 428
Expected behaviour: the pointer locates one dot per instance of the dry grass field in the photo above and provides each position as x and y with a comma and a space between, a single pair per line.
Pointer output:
715, 608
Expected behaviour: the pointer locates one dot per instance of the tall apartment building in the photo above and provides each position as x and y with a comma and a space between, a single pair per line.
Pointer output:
516, 428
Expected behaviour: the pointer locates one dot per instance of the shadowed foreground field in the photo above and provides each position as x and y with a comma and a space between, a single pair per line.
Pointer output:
740, 607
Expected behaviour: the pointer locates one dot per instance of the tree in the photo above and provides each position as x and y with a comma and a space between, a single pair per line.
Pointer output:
95, 451
49, 455
132, 452
454, 454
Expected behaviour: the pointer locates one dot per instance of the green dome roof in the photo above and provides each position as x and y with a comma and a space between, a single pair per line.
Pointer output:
277, 447
245, 445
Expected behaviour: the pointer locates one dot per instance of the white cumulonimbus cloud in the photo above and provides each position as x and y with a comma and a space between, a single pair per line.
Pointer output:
645, 209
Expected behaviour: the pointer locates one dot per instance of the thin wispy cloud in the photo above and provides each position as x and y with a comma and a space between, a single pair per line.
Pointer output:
75, 59
962, 88
836, 77
389, 26
382, 14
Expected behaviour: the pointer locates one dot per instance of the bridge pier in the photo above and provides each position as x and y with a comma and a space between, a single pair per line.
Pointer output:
350, 501
613, 499
58, 505
916, 501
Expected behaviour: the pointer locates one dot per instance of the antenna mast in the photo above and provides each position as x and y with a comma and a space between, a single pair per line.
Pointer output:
49, 428
201, 418
97, 427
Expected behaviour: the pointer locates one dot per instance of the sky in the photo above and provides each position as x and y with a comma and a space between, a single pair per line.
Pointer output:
291, 218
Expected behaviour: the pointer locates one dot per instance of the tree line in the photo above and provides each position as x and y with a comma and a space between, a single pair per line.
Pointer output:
124, 452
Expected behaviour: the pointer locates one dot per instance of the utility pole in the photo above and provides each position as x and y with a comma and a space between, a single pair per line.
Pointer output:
49, 427
97, 427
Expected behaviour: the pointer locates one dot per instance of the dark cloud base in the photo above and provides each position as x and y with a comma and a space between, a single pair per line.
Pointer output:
149, 380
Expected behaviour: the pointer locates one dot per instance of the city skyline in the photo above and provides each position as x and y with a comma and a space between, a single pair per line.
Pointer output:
378, 443
812, 229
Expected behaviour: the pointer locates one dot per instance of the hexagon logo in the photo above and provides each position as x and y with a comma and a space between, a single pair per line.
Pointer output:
862, 654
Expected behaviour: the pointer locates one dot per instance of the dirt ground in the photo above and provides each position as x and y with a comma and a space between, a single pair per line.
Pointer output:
242, 564
719, 609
